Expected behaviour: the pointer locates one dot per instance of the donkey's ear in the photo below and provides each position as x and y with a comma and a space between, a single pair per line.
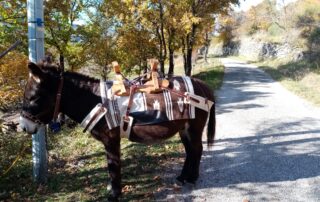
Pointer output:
35, 69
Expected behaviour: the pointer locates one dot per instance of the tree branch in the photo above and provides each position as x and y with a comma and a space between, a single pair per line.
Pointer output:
17, 43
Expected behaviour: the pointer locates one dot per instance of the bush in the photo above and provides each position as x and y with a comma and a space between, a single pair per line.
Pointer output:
13, 73
314, 38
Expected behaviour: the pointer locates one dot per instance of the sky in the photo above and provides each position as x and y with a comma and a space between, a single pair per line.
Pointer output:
246, 4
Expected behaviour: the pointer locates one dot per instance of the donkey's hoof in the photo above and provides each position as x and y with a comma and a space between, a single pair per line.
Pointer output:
191, 181
180, 180
113, 199
189, 186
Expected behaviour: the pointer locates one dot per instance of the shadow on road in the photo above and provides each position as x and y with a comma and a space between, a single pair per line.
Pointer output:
273, 155
234, 85
278, 154
280, 151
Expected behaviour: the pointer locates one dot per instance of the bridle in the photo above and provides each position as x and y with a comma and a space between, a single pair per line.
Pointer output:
56, 108
31, 117
58, 98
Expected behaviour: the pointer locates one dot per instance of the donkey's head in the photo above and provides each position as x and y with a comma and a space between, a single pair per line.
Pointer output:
39, 96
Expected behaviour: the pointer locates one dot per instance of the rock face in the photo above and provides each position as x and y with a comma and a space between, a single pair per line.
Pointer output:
257, 50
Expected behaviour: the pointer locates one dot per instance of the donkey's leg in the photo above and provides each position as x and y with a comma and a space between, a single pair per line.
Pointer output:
192, 139
185, 170
112, 146
196, 149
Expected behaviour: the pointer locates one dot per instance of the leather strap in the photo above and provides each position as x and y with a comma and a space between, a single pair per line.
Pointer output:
93, 117
195, 100
133, 89
58, 99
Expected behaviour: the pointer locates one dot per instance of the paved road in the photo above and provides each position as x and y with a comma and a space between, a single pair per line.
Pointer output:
267, 144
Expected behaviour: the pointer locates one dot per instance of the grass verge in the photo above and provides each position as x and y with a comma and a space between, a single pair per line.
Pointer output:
302, 77
78, 172
212, 73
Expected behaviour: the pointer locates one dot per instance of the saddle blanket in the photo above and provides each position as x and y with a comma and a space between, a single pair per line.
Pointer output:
170, 105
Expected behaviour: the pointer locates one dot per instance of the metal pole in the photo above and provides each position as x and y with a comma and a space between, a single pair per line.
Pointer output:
36, 53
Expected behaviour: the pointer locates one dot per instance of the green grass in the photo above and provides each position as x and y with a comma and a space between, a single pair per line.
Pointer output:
77, 163
302, 78
212, 73
78, 171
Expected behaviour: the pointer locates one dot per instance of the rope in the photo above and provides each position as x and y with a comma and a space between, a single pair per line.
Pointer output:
15, 161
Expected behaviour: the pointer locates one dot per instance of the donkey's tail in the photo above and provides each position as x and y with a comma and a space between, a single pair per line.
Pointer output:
211, 128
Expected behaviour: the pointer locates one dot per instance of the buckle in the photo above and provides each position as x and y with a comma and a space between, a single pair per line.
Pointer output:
125, 126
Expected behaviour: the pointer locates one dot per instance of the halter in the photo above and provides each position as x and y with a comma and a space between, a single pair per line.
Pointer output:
30, 117
54, 125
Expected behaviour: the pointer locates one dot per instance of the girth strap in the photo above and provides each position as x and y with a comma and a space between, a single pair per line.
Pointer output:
93, 117
126, 120
194, 100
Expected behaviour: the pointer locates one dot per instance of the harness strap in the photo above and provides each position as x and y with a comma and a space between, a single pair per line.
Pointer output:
126, 120
58, 99
93, 117
194, 100
133, 89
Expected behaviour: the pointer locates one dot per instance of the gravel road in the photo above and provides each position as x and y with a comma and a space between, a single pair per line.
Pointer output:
267, 144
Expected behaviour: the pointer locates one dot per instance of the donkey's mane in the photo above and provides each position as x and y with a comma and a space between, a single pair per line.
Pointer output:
80, 77
75, 77
83, 81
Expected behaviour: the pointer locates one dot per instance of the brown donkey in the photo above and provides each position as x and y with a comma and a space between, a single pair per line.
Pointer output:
80, 94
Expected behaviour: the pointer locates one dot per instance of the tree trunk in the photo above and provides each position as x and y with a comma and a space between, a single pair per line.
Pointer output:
162, 63
207, 44
189, 61
183, 50
190, 44
171, 33
163, 40
171, 62
61, 60
161, 55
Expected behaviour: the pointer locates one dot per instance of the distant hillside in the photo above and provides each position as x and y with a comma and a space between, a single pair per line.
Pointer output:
265, 31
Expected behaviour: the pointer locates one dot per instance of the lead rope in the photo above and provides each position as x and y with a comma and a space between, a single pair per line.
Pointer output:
23, 148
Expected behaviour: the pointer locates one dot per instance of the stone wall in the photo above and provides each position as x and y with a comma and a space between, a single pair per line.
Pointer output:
255, 49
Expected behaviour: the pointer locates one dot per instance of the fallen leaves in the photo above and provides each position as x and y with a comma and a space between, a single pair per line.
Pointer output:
127, 188
157, 177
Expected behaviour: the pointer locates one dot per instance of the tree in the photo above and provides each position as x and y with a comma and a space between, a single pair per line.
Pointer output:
61, 32
135, 23
196, 13
13, 28
13, 72
13, 15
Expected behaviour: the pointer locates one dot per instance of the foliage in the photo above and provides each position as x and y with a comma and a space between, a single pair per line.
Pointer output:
227, 29
315, 37
13, 22
211, 73
61, 31
13, 73
116, 30
168, 24
307, 21
292, 25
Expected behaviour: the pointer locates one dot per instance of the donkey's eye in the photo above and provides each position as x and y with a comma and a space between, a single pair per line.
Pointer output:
33, 102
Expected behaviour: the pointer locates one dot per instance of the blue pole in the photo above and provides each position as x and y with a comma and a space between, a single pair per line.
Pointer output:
36, 53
